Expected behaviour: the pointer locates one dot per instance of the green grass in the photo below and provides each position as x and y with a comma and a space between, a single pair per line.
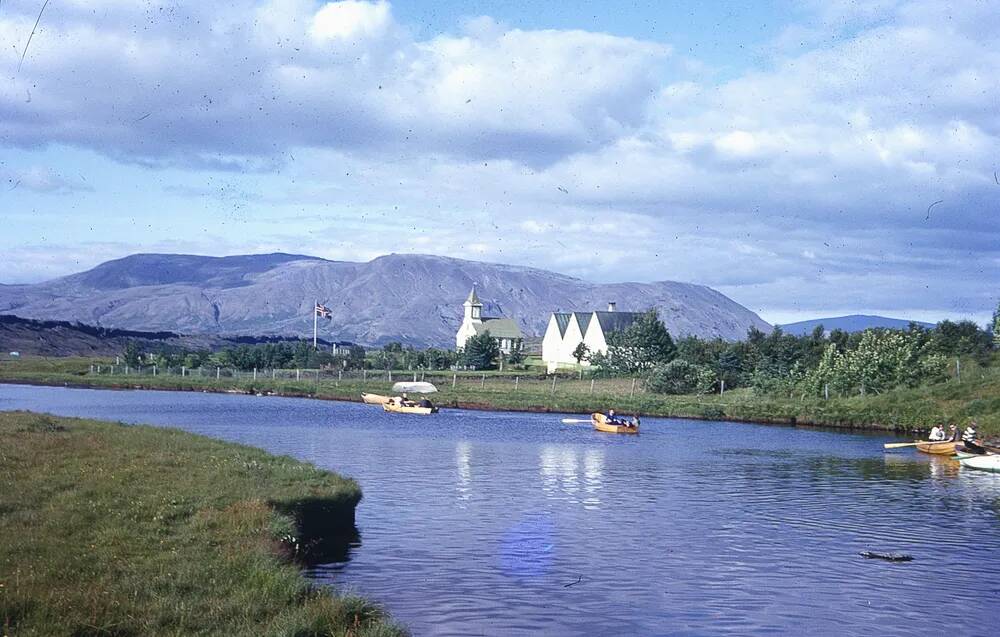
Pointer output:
118, 530
977, 395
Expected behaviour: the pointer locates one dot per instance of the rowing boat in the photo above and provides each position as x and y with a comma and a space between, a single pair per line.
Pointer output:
374, 399
600, 422
393, 407
938, 448
983, 463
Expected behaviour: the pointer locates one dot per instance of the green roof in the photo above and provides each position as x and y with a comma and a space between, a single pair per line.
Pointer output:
499, 328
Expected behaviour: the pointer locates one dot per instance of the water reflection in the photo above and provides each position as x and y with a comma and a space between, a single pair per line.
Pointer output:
573, 474
463, 454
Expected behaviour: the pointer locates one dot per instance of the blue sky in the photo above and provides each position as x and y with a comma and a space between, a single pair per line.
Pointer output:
806, 159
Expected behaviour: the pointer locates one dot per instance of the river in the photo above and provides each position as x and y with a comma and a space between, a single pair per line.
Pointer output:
501, 523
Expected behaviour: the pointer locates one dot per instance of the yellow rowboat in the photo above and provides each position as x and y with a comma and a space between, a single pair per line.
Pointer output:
393, 407
938, 448
601, 423
374, 399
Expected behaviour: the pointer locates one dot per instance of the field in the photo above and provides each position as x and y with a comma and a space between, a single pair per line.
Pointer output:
975, 395
117, 530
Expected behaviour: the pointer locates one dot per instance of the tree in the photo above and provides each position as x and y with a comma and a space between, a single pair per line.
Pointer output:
132, 354
681, 377
481, 351
641, 346
581, 352
996, 328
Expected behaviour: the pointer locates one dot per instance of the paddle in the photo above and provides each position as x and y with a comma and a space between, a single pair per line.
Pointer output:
897, 445
572, 421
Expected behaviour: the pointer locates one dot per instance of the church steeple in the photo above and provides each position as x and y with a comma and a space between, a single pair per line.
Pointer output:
473, 307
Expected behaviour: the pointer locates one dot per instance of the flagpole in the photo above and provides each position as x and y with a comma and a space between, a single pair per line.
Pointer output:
315, 315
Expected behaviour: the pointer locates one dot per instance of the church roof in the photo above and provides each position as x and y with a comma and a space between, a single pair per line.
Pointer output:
499, 328
616, 321
562, 321
473, 298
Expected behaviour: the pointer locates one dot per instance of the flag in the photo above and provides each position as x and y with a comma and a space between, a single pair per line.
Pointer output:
324, 311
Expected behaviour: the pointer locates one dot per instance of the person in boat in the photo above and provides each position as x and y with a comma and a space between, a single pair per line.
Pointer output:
954, 433
937, 434
425, 402
612, 418
406, 402
634, 422
969, 439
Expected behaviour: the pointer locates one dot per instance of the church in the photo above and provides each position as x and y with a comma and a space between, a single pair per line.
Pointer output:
504, 330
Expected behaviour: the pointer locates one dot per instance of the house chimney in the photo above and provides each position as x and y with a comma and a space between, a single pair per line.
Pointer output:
611, 306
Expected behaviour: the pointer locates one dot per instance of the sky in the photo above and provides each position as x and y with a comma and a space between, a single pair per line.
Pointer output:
807, 159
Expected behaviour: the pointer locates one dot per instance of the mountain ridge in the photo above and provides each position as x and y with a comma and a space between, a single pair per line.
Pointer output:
416, 299
849, 323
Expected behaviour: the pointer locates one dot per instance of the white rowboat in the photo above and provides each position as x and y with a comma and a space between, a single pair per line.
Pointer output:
983, 463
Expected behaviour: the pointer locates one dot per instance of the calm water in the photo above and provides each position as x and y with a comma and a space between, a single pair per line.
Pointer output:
502, 523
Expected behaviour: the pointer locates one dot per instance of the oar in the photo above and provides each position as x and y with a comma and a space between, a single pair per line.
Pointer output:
573, 421
897, 445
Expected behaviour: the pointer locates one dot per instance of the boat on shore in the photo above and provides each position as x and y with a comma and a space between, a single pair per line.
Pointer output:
601, 423
374, 399
394, 407
937, 447
983, 463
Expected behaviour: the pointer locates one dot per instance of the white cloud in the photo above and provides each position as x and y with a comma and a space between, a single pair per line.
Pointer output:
802, 184
351, 19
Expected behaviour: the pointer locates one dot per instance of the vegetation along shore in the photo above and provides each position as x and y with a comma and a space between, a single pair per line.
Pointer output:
130, 530
975, 394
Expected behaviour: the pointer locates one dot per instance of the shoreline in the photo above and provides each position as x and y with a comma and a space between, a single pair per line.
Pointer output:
784, 421
122, 529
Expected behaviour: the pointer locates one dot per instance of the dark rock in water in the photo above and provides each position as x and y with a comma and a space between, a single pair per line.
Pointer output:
888, 557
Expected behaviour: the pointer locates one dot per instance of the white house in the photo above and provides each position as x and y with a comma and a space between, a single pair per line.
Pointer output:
504, 330
566, 330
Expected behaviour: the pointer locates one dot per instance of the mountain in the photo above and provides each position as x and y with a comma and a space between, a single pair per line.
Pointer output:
416, 299
851, 323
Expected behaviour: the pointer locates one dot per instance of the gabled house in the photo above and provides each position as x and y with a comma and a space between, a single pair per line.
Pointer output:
566, 330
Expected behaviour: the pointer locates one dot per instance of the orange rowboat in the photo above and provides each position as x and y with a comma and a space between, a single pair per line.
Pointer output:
600, 422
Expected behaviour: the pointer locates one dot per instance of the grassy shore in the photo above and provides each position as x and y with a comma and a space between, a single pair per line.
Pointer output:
117, 530
976, 395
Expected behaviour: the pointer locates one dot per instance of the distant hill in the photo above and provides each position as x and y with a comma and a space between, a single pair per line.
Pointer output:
416, 299
62, 338
851, 323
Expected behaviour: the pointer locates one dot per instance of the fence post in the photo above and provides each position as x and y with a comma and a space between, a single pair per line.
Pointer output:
272, 373
722, 386
364, 374
414, 376
862, 389
482, 385
154, 370
517, 379
826, 391
454, 379
553, 384
958, 369
218, 372
297, 375
390, 374
340, 375
317, 375
591, 386
632, 393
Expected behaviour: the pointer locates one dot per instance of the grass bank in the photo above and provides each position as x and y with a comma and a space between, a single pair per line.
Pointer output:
117, 530
976, 395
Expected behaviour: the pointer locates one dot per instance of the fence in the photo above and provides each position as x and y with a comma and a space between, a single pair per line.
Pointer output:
444, 380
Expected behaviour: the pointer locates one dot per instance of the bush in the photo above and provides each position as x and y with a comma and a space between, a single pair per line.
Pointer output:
681, 377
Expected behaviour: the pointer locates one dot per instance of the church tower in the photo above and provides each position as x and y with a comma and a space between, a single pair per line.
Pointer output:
473, 308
